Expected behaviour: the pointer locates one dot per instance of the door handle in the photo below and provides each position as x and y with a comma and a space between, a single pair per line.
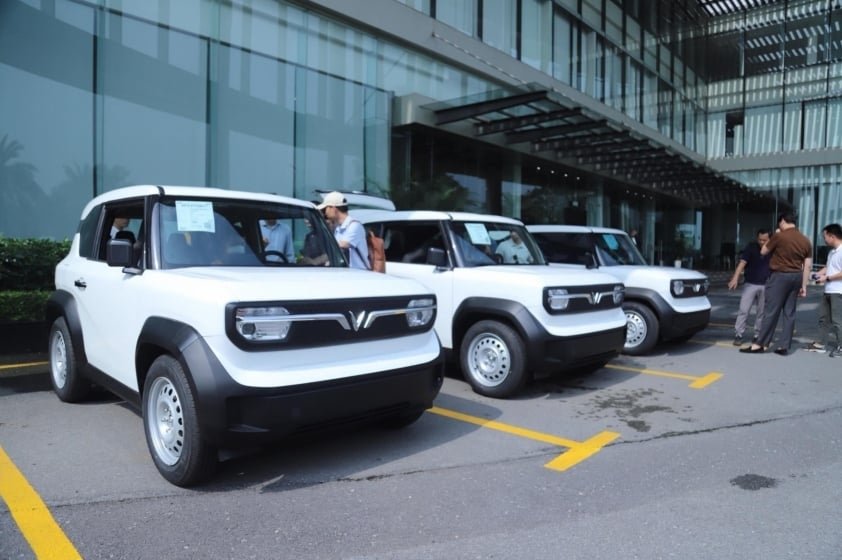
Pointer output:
80, 283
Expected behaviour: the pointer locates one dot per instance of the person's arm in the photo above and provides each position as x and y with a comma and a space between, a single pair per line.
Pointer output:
805, 276
735, 279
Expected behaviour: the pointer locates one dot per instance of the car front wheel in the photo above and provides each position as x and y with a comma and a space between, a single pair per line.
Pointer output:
493, 359
67, 381
641, 329
171, 424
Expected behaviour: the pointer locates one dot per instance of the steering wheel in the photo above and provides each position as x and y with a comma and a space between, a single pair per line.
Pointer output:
272, 253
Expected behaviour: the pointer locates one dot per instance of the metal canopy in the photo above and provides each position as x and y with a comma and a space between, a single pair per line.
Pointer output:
554, 127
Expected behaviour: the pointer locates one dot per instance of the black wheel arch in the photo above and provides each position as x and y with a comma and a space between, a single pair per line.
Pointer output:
507, 311
62, 304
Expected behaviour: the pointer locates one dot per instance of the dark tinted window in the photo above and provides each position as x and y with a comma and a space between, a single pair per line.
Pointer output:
409, 241
122, 220
569, 248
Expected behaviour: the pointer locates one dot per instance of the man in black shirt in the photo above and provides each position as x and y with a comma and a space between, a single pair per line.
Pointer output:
756, 267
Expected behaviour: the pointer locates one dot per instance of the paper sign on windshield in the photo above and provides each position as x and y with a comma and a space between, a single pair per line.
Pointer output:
610, 241
478, 234
194, 215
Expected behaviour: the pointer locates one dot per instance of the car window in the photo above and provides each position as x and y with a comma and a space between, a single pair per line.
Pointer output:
486, 243
568, 248
87, 233
122, 220
408, 241
617, 249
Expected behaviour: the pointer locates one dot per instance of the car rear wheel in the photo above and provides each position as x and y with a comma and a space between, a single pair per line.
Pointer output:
641, 328
66, 379
171, 424
493, 359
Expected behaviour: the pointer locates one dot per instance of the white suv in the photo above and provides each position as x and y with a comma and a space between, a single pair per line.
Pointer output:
661, 303
220, 342
501, 309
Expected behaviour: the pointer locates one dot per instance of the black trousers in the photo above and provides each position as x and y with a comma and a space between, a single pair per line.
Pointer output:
781, 294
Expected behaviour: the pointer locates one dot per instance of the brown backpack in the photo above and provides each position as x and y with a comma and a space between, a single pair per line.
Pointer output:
376, 252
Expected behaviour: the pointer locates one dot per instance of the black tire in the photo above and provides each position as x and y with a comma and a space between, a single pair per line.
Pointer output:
493, 359
642, 329
171, 424
65, 375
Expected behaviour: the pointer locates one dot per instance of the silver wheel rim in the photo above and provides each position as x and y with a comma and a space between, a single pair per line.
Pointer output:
58, 359
636, 329
165, 421
489, 360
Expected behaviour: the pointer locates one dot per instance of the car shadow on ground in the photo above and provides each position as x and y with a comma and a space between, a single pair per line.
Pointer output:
346, 453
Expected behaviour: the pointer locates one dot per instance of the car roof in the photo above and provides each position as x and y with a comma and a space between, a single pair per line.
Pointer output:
559, 228
138, 191
367, 216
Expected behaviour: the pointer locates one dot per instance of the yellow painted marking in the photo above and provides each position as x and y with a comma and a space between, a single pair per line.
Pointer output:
35, 521
697, 382
726, 325
577, 451
27, 364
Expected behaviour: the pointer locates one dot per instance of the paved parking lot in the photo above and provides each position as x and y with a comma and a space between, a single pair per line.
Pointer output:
696, 451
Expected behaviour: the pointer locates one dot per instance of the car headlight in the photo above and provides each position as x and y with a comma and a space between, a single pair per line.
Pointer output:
677, 287
619, 293
262, 323
557, 299
420, 312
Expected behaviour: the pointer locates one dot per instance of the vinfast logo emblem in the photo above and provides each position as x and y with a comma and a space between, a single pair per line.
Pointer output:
596, 297
357, 320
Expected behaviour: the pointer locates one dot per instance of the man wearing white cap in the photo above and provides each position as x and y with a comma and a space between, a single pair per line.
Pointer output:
349, 233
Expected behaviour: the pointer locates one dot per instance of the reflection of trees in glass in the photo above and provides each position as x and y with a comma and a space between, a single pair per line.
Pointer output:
543, 205
75, 190
21, 198
439, 193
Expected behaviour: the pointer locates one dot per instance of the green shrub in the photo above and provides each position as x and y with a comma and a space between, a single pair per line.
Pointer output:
29, 264
17, 305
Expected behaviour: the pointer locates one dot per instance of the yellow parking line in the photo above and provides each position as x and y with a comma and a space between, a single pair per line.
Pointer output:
577, 451
35, 521
697, 382
27, 364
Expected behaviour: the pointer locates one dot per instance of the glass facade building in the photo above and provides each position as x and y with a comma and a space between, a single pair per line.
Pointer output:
294, 96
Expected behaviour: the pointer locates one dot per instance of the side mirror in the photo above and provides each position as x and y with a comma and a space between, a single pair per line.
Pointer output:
119, 252
437, 257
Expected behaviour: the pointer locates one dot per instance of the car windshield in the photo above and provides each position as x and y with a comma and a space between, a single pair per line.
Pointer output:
617, 249
610, 249
223, 232
488, 243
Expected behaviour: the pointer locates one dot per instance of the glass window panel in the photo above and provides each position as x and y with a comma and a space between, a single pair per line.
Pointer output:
650, 50
805, 41
253, 125
614, 78
665, 108
650, 98
536, 34
332, 116
45, 177
499, 25
563, 47
591, 13
834, 123
814, 124
763, 51
835, 37
806, 83
143, 124
461, 14
633, 43
632, 100
763, 129
716, 135
614, 22
792, 127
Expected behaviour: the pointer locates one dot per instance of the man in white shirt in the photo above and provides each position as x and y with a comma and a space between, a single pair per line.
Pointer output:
514, 250
830, 309
349, 233
277, 237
